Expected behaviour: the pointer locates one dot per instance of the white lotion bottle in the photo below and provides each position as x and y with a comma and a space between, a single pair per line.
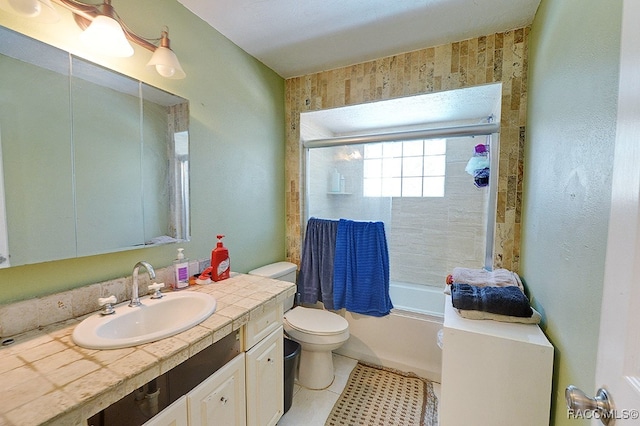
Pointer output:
181, 270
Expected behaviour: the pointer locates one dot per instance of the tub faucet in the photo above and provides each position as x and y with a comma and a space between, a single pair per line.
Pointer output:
135, 300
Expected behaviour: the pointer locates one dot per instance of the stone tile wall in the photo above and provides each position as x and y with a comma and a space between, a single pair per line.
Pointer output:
500, 57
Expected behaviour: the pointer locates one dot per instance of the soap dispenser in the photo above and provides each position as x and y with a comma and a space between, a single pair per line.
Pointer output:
181, 270
220, 262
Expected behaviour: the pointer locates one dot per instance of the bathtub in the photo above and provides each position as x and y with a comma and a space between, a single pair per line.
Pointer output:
407, 338
417, 298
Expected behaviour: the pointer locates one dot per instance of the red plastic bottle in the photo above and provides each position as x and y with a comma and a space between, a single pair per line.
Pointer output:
220, 261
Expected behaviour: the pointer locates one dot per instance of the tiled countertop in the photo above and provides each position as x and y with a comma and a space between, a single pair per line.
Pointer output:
45, 378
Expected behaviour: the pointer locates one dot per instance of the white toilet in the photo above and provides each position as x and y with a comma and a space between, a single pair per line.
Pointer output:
318, 331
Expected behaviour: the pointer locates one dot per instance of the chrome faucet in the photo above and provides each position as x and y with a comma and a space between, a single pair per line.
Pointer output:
135, 300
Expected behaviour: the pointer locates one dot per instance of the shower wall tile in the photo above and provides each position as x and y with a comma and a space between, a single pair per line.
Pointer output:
500, 57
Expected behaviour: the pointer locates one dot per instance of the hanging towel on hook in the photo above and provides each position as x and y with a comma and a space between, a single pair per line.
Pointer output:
315, 281
361, 269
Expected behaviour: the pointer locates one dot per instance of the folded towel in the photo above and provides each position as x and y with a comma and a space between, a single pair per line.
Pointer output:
509, 300
315, 281
535, 318
482, 277
361, 269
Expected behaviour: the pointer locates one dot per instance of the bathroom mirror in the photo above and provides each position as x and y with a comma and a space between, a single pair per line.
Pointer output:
92, 161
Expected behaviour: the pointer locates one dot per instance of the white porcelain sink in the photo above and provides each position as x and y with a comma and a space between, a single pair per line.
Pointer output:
154, 320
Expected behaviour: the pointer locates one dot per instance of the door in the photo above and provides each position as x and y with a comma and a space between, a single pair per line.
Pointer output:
4, 239
618, 368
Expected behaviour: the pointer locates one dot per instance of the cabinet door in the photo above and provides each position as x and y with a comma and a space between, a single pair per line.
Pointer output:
173, 415
265, 381
220, 399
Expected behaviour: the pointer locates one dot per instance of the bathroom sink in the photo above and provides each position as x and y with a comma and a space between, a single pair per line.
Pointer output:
154, 320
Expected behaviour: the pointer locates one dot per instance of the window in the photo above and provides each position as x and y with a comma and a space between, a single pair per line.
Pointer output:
405, 168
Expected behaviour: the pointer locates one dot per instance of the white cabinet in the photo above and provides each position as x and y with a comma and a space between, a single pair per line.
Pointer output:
174, 415
265, 381
220, 399
494, 373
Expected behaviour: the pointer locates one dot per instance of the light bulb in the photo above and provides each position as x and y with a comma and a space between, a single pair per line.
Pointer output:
166, 63
165, 70
106, 36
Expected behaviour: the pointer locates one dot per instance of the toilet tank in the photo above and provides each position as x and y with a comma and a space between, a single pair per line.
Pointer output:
283, 271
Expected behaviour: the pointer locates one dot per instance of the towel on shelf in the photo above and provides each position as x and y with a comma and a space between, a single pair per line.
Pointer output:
315, 281
482, 277
361, 269
509, 300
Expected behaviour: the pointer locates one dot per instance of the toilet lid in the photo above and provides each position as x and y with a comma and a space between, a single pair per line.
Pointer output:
315, 321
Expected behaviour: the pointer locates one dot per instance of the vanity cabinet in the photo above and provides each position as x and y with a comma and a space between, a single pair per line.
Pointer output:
220, 399
494, 373
247, 390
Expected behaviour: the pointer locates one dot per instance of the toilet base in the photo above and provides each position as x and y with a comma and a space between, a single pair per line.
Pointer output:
316, 369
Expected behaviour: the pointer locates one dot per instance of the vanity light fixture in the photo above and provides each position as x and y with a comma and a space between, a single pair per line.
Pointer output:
40, 10
105, 31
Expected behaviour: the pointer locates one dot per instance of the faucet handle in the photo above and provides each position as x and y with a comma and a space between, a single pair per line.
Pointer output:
107, 304
156, 288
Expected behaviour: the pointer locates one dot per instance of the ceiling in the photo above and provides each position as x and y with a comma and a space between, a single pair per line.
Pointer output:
298, 37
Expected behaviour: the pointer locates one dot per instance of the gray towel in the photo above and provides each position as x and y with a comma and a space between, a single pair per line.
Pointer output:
496, 300
315, 281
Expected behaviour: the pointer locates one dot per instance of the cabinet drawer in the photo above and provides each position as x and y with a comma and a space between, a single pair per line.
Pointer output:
260, 327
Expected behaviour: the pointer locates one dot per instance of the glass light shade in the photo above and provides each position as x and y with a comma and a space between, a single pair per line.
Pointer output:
107, 37
39, 10
166, 63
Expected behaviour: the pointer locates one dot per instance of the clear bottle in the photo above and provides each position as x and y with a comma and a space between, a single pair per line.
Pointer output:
181, 270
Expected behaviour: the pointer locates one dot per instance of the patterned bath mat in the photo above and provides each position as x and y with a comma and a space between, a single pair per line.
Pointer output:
380, 396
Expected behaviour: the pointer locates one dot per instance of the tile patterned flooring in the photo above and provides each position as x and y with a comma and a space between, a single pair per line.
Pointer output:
312, 407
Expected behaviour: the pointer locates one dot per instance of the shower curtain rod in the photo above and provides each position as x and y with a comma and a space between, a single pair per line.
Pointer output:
450, 132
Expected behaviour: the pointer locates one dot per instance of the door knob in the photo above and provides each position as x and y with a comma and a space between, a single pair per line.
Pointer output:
578, 401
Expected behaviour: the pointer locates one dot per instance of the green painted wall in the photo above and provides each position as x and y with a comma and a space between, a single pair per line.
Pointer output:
237, 148
574, 51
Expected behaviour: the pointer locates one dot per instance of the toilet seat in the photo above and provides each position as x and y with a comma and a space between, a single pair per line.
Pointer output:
315, 321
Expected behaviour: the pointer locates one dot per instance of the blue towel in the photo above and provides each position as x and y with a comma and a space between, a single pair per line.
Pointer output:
361, 269
496, 300
315, 281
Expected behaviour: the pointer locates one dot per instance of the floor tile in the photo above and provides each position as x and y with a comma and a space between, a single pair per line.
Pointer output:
309, 408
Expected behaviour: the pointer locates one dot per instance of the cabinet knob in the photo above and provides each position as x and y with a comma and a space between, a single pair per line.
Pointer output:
223, 400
